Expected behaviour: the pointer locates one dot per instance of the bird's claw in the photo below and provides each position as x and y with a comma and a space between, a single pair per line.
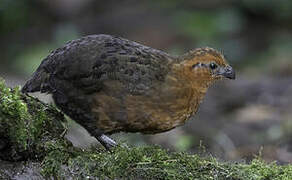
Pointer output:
107, 142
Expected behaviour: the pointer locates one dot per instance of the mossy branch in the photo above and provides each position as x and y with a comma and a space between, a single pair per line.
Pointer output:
31, 134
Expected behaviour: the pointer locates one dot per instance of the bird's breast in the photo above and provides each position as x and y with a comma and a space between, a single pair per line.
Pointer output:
160, 109
157, 114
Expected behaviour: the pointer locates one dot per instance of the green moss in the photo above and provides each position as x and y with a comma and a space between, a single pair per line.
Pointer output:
13, 113
34, 132
152, 162
57, 154
26, 124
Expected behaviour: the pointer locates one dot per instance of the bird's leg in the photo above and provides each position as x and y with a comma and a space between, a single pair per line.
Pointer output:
107, 142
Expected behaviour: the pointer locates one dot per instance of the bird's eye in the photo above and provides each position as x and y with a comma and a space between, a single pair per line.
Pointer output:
213, 66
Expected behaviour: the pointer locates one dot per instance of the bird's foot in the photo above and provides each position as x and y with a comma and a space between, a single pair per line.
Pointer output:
107, 142
64, 132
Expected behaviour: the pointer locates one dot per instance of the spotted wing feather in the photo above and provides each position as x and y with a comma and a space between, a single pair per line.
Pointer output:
88, 62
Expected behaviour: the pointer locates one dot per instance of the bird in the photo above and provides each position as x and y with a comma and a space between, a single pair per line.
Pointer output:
109, 84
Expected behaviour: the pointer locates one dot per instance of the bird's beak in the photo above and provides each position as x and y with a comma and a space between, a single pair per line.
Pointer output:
229, 72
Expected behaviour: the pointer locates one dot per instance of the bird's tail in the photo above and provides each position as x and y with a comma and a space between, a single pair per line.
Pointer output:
36, 83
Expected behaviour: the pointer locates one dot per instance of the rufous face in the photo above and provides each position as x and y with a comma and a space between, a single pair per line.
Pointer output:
209, 64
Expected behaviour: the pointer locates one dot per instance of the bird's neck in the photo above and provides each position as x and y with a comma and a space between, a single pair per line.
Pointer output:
193, 90
183, 95
197, 83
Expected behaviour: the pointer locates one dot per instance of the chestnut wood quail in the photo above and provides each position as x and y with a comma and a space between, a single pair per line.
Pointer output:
109, 84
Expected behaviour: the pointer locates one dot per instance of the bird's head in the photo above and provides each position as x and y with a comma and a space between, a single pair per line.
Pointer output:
206, 64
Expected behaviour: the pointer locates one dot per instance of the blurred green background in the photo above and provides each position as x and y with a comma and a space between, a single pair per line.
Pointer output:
237, 120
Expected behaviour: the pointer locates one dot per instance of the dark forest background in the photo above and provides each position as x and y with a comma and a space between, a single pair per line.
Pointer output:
237, 120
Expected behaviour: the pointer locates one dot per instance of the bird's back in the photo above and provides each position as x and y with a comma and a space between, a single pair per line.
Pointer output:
91, 60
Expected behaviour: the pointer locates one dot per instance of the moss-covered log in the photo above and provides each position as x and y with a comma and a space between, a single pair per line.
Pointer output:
32, 145
28, 128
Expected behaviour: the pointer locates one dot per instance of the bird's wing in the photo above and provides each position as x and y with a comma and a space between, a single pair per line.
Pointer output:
89, 62
134, 66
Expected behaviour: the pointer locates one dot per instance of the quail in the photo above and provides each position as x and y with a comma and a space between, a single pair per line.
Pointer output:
110, 84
